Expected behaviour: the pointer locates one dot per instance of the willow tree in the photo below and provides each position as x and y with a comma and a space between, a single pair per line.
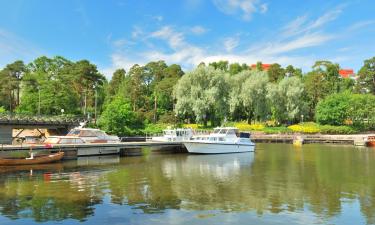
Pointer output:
203, 93
248, 95
286, 99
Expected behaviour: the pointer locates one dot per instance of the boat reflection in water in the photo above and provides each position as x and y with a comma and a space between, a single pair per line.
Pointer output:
223, 167
320, 184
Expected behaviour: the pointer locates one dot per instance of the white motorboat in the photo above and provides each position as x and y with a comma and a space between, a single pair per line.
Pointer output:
90, 135
174, 135
222, 140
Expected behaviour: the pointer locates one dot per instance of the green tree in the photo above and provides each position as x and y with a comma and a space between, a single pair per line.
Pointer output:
48, 77
253, 95
366, 77
290, 71
275, 73
116, 81
220, 65
286, 99
334, 109
203, 92
10, 84
118, 118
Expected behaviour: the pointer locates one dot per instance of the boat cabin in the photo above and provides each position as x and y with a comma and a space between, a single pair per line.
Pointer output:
63, 140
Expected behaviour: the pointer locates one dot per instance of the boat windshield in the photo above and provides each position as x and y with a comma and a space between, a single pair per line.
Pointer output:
52, 140
74, 133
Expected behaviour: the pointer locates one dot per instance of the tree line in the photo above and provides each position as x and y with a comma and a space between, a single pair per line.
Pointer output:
157, 92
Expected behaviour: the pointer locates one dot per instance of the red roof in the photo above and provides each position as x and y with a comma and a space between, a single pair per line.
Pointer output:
346, 73
264, 66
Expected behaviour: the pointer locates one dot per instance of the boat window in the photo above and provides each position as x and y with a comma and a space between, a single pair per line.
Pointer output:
231, 132
216, 131
66, 141
221, 139
87, 133
223, 131
74, 132
52, 140
79, 141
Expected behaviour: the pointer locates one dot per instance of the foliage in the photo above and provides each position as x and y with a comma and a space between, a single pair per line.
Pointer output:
242, 126
337, 109
157, 128
118, 118
2, 110
202, 93
308, 128
329, 129
366, 77
285, 99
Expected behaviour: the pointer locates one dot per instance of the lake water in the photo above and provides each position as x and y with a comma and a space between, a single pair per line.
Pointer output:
278, 184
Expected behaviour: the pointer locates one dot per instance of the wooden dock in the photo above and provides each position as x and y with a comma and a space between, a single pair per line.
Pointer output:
357, 139
75, 150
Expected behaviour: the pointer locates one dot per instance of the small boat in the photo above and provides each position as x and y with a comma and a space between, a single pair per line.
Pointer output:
90, 135
174, 135
222, 140
62, 140
298, 141
370, 140
32, 160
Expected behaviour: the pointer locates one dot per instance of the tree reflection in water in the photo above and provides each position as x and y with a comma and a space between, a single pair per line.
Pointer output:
276, 179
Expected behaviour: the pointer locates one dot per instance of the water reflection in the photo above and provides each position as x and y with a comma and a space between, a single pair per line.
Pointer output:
329, 183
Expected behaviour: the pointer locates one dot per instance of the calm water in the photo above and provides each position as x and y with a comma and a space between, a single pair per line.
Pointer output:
279, 184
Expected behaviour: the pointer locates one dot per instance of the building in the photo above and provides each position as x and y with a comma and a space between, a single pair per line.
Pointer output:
347, 73
265, 67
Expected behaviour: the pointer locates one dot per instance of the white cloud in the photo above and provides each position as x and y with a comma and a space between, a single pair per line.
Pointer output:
198, 30
231, 43
245, 8
361, 25
303, 25
15, 48
303, 33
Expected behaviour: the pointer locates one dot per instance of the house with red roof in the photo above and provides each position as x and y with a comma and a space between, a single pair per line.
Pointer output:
347, 73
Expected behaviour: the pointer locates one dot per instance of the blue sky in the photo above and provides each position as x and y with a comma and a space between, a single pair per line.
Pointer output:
120, 33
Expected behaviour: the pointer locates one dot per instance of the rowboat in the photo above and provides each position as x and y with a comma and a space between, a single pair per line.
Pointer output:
371, 141
32, 160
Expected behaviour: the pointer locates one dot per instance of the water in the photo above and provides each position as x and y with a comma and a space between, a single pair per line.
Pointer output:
279, 184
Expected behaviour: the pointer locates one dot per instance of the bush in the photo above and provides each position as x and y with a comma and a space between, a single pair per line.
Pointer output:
249, 127
2, 110
334, 109
308, 128
155, 128
167, 118
328, 129
118, 118
276, 130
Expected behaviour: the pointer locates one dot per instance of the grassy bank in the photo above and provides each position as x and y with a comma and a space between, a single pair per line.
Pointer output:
305, 128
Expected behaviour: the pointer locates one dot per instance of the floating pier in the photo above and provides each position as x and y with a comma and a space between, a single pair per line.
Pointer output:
73, 151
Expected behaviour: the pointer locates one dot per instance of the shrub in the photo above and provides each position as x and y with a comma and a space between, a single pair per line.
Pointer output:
2, 110
308, 128
328, 129
249, 127
152, 128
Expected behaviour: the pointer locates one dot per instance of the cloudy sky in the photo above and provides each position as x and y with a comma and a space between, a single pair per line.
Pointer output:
120, 33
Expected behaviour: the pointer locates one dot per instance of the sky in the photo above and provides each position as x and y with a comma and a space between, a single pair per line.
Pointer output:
119, 33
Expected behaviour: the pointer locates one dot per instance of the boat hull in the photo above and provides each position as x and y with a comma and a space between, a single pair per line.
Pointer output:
217, 148
37, 160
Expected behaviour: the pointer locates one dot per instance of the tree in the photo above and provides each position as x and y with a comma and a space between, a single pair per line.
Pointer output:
315, 90
50, 78
290, 71
330, 73
334, 109
10, 80
116, 81
253, 95
220, 65
236, 106
203, 92
236, 68
366, 77
118, 118
286, 99
275, 73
